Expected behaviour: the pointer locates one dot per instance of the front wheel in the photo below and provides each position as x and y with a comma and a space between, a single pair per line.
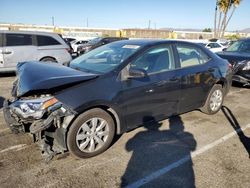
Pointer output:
91, 133
214, 101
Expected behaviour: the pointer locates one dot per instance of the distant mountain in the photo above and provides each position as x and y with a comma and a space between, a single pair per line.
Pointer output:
247, 30
182, 29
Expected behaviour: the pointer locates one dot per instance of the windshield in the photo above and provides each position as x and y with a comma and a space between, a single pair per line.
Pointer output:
105, 58
239, 46
95, 40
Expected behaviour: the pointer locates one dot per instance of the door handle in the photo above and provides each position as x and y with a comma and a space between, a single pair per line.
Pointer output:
6, 52
161, 83
174, 79
211, 70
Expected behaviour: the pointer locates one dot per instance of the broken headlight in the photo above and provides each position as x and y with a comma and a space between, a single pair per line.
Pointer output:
247, 66
32, 108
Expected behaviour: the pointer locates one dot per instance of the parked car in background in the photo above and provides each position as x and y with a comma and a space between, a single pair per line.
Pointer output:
238, 54
69, 39
113, 89
215, 46
96, 42
76, 43
20, 46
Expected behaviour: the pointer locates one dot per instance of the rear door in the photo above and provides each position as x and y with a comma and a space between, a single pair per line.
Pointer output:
196, 76
156, 95
18, 48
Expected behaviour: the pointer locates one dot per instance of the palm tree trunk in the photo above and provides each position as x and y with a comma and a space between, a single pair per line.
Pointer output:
218, 27
229, 18
215, 20
222, 24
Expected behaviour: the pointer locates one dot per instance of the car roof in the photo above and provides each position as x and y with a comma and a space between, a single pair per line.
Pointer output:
149, 42
29, 32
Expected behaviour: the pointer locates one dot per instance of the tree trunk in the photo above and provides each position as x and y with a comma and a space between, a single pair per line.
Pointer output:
218, 27
224, 29
215, 20
223, 24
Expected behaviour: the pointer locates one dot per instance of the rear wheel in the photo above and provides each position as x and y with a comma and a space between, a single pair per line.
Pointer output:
48, 59
91, 133
214, 101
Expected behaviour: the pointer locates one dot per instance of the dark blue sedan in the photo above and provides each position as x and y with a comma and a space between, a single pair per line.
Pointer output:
113, 89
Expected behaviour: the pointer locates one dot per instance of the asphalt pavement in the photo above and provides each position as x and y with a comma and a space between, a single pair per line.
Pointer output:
190, 150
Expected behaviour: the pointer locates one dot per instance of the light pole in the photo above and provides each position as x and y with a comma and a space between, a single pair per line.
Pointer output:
53, 21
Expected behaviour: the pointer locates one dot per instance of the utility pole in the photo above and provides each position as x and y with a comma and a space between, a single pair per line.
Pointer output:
149, 23
53, 21
155, 25
87, 22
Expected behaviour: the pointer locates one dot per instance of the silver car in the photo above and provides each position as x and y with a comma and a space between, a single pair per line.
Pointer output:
19, 46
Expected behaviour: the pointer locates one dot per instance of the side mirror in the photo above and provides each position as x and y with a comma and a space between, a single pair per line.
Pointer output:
224, 49
136, 73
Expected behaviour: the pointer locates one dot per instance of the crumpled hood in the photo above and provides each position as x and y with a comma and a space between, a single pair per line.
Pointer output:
41, 77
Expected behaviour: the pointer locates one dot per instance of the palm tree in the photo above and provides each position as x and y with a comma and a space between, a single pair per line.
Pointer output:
224, 8
235, 4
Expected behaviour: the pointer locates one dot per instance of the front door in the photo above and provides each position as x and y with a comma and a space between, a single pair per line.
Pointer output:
156, 95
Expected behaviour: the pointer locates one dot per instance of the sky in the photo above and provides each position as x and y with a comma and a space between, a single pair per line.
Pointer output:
196, 14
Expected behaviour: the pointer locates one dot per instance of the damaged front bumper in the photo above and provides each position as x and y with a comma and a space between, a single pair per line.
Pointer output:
49, 131
12, 122
241, 72
241, 79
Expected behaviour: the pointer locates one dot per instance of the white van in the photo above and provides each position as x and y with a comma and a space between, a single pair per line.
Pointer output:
20, 46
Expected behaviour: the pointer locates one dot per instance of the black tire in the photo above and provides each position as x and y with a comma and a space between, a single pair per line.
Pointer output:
75, 127
207, 107
48, 59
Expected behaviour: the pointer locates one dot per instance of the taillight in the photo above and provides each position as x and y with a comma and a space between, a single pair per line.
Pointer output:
230, 66
68, 50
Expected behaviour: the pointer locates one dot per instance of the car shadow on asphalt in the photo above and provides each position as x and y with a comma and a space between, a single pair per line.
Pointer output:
1, 101
155, 149
235, 124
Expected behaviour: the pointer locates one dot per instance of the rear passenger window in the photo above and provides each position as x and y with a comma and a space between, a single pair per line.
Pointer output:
46, 41
191, 55
18, 40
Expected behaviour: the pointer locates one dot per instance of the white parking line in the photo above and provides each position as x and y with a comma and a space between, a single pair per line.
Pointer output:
185, 159
234, 92
16, 147
4, 130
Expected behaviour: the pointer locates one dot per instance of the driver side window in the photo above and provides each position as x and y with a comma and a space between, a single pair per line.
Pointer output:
155, 60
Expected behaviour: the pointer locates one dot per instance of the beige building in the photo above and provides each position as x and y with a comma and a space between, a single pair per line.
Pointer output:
88, 33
